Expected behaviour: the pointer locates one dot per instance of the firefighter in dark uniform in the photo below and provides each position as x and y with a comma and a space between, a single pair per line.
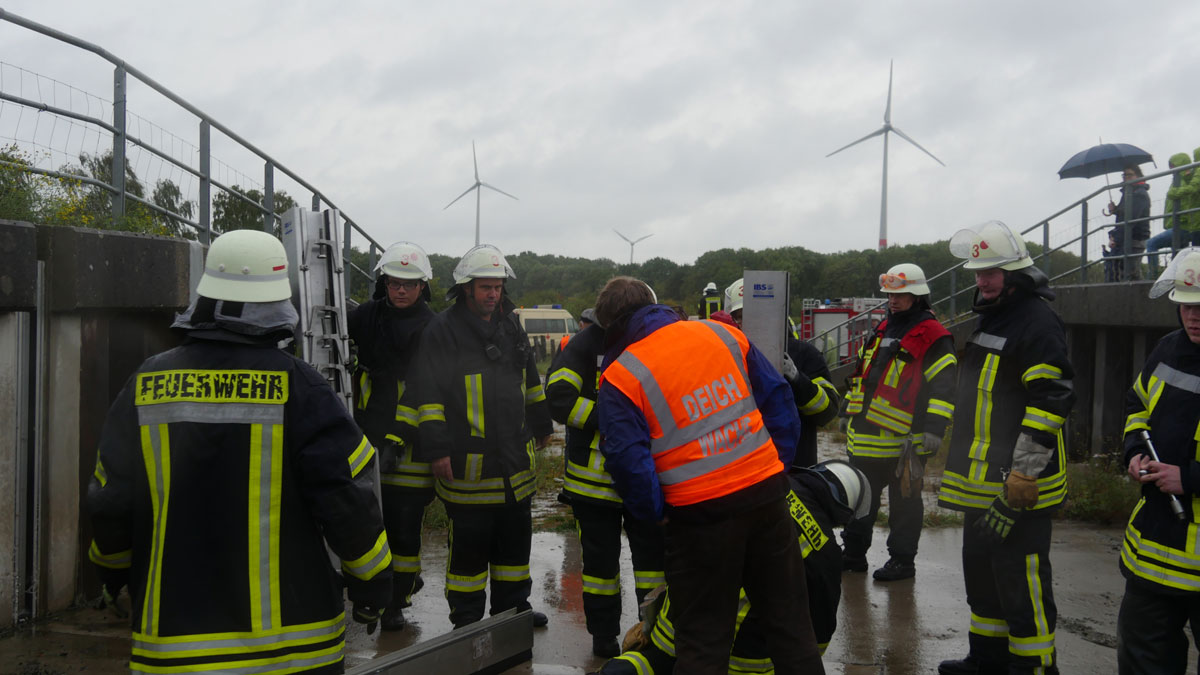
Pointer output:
387, 331
900, 401
711, 302
1006, 468
822, 497
588, 488
1158, 558
482, 415
804, 368
224, 467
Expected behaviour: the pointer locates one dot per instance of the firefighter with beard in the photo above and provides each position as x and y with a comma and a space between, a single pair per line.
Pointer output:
1006, 468
599, 511
482, 415
387, 330
805, 370
899, 403
828, 495
225, 466
1162, 587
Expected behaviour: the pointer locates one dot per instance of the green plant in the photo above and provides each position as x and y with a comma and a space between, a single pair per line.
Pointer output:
1098, 491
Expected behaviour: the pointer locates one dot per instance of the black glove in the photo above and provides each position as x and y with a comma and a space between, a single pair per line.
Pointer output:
368, 615
996, 524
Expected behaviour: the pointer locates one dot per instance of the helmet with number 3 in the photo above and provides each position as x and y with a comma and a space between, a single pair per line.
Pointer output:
989, 245
1181, 279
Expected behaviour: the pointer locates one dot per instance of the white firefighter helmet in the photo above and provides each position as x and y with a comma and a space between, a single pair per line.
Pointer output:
710, 286
733, 296
1181, 278
855, 489
245, 266
904, 278
988, 245
482, 262
405, 260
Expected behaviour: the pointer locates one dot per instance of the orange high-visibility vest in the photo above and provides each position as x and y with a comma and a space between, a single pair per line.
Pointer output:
706, 432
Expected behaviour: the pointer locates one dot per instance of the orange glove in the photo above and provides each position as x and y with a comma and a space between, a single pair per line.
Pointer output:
1020, 491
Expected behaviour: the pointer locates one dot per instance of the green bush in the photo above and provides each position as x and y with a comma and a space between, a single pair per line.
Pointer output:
1098, 491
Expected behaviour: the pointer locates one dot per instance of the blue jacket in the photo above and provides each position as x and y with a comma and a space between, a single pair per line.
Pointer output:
626, 444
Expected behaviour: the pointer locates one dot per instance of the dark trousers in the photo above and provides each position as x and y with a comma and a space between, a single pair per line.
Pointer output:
1150, 637
403, 513
1011, 595
483, 540
706, 564
599, 530
905, 514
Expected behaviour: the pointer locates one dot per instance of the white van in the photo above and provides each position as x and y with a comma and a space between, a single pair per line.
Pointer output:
546, 325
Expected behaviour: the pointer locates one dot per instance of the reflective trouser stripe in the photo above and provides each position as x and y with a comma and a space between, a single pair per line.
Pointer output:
116, 561
639, 662
649, 579
988, 627
601, 586
461, 583
510, 573
410, 564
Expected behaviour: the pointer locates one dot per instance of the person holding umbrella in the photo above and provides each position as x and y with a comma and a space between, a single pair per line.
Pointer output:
1135, 215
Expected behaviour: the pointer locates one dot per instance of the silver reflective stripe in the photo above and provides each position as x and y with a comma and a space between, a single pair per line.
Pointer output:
361, 570
216, 413
989, 341
244, 643
264, 522
1177, 378
886, 342
699, 467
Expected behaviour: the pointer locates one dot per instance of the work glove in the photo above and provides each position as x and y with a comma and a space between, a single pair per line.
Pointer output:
910, 470
111, 583
1029, 459
931, 443
996, 524
369, 615
789, 370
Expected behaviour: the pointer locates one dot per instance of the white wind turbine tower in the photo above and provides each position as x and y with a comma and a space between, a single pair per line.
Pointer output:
632, 242
477, 187
883, 131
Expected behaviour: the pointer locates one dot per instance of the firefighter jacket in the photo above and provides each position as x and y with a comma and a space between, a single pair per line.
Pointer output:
902, 386
571, 395
1014, 378
481, 404
387, 339
223, 470
817, 399
1160, 551
692, 413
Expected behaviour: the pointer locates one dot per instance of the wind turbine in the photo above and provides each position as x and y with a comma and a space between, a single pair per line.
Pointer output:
632, 242
883, 131
477, 187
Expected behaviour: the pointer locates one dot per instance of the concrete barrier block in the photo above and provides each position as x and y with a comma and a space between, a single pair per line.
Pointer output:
18, 265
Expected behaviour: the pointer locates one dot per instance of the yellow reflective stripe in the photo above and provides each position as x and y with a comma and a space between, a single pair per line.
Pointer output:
601, 585
534, 394
364, 390
957, 489
431, 412
892, 377
817, 403
406, 564
211, 386
100, 474
1137, 421
566, 375
1157, 387
1155, 562
988, 627
638, 661
361, 455
940, 408
156, 455
464, 583
407, 415
810, 530
649, 579
983, 409
369, 564
474, 388
590, 490
510, 572
580, 412
213, 644
886, 416
113, 561
1041, 644
940, 365
262, 525
1042, 419
1041, 371
286, 664
884, 444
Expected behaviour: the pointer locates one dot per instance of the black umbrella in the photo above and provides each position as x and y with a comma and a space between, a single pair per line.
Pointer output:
1104, 158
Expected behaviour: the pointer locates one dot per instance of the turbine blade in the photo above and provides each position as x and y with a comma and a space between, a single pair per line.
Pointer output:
493, 187
641, 238
873, 134
623, 236
475, 160
464, 194
887, 112
903, 135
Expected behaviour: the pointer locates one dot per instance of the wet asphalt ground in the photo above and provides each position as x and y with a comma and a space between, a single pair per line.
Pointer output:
896, 628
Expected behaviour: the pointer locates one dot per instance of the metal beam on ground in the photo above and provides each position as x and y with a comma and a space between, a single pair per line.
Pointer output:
487, 647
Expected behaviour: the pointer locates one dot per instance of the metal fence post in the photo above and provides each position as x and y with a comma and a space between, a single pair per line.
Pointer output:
118, 149
1046, 248
268, 197
347, 231
205, 183
371, 259
1083, 242
316, 202
953, 292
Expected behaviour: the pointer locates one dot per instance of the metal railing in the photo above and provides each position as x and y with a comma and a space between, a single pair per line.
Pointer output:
123, 141
1073, 238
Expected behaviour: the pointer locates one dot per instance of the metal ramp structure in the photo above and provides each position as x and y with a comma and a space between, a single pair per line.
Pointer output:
488, 647
314, 250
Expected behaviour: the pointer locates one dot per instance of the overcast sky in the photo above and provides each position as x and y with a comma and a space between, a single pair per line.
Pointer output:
705, 124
